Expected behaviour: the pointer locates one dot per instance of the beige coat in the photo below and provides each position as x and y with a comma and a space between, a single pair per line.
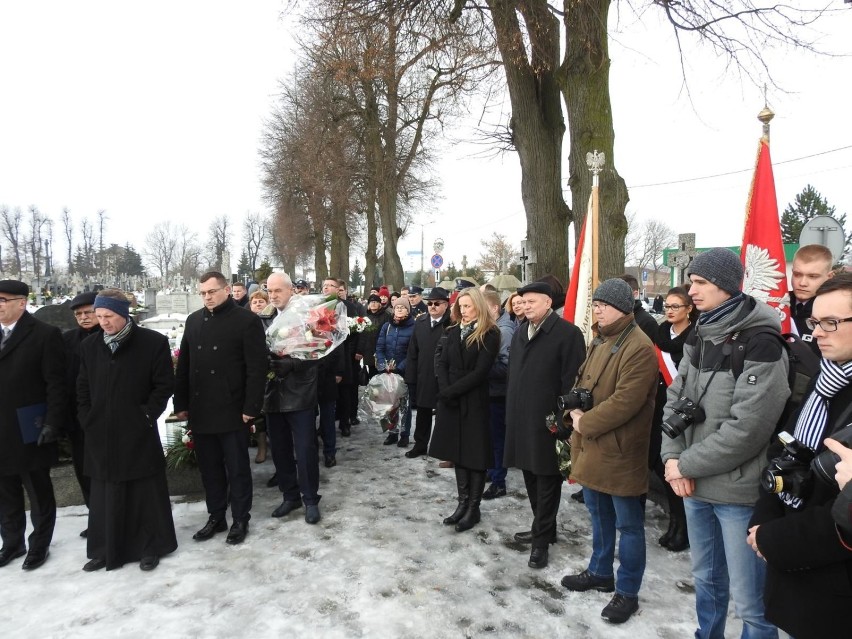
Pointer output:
611, 456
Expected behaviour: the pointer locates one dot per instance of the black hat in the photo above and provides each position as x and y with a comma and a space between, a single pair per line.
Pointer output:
83, 299
438, 293
417, 290
721, 266
14, 287
301, 284
615, 292
462, 284
537, 287
374, 298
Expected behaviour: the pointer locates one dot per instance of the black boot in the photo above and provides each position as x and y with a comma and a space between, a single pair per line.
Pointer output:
664, 540
463, 485
679, 540
471, 517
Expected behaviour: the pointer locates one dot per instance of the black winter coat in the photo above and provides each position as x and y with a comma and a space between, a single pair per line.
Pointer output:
420, 366
644, 320
808, 590
293, 386
120, 396
221, 369
462, 433
367, 340
32, 371
539, 371
330, 368
72, 340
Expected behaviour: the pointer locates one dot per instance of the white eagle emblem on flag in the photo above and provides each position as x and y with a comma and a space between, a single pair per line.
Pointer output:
761, 274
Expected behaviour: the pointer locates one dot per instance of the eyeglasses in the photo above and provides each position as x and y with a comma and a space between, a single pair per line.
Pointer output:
3, 300
211, 292
435, 303
827, 325
599, 306
83, 313
674, 307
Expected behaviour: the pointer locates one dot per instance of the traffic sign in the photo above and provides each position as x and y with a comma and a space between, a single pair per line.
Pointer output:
437, 261
644, 276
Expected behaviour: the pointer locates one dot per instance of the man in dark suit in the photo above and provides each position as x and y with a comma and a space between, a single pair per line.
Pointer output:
811, 268
32, 379
420, 371
219, 385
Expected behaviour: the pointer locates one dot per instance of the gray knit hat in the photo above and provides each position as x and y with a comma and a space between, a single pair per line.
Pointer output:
721, 266
615, 292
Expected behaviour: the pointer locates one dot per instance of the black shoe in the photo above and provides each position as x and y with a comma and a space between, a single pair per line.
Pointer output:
403, 442
238, 532
312, 514
526, 536
149, 563
272, 482
538, 558
94, 564
8, 554
286, 507
345, 430
578, 497
494, 491
678, 539
85, 533
415, 452
392, 437
470, 519
587, 581
620, 608
354, 421
35, 558
212, 527
330, 461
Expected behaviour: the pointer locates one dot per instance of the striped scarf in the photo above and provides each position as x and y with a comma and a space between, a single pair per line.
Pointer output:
810, 426
723, 310
114, 341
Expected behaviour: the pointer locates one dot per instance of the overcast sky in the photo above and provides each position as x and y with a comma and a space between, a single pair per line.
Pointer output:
153, 111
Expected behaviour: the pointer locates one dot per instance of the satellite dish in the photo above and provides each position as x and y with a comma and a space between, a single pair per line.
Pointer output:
828, 232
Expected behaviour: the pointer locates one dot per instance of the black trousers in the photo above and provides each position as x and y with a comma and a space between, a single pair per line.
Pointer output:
544, 492
77, 439
223, 460
13, 520
293, 444
423, 428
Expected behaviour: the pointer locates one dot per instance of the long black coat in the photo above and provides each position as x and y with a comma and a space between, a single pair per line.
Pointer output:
539, 371
72, 340
420, 367
367, 340
221, 369
32, 371
462, 433
120, 396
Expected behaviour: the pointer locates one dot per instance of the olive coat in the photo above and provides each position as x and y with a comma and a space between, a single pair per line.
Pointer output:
462, 434
611, 454
540, 370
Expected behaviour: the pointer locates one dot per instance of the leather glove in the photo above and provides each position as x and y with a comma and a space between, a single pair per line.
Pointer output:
48, 435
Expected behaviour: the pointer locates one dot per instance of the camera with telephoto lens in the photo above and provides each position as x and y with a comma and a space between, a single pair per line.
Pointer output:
685, 413
824, 465
790, 472
577, 398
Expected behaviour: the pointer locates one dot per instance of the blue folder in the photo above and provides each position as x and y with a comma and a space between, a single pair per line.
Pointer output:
30, 421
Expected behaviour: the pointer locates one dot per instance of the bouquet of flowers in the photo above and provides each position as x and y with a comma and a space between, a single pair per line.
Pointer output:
384, 400
309, 328
180, 449
563, 446
359, 324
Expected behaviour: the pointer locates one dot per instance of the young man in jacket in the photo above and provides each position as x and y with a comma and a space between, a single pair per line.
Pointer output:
808, 563
715, 462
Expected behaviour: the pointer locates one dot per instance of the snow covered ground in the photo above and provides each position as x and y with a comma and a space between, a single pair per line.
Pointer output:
379, 564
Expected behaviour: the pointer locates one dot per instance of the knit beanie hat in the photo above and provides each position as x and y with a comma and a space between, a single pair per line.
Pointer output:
615, 292
403, 301
720, 266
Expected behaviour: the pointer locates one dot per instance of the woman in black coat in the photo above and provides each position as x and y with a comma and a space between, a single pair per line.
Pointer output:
125, 381
462, 433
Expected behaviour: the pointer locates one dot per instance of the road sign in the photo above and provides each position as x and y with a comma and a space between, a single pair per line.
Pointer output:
437, 261
644, 276
827, 231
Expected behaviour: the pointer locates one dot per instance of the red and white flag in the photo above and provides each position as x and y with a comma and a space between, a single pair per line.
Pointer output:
578, 299
762, 250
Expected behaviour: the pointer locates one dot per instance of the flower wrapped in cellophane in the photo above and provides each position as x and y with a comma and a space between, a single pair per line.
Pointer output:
384, 400
309, 328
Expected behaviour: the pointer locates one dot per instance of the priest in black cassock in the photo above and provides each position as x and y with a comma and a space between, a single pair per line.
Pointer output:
125, 382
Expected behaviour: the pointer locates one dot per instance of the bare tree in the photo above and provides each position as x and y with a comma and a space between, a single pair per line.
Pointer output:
160, 248
68, 227
498, 254
645, 243
219, 241
37, 233
102, 218
11, 228
255, 235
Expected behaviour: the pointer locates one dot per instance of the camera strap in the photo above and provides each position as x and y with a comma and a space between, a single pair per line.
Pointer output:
727, 349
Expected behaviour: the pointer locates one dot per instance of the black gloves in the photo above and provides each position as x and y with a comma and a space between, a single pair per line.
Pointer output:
564, 427
48, 435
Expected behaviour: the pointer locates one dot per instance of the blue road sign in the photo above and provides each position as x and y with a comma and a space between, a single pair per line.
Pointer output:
437, 261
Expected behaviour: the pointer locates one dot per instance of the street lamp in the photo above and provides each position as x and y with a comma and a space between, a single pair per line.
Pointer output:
422, 249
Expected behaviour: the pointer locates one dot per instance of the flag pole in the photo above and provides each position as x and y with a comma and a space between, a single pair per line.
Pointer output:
595, 161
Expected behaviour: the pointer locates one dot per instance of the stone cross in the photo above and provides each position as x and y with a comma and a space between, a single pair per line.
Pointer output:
683, 257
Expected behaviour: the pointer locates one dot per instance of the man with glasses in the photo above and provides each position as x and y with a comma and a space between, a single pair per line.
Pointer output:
420, 370
219, 385
33, 402
87, 324
716, 461
808, 566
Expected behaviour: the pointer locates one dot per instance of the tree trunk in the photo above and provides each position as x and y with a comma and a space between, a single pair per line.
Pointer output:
537, 128
372, 240
585, 89
340, 240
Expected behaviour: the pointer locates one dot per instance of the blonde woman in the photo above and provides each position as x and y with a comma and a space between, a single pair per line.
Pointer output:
515, 307
462, 433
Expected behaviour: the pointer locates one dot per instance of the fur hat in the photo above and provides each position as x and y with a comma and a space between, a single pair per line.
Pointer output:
720, 266
615, 292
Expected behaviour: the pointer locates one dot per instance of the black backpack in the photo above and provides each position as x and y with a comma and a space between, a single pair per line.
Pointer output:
803, 365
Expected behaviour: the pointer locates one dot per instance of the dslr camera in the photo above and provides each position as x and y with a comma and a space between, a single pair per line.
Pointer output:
577, 398
685, 413
824, 464
790, 472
